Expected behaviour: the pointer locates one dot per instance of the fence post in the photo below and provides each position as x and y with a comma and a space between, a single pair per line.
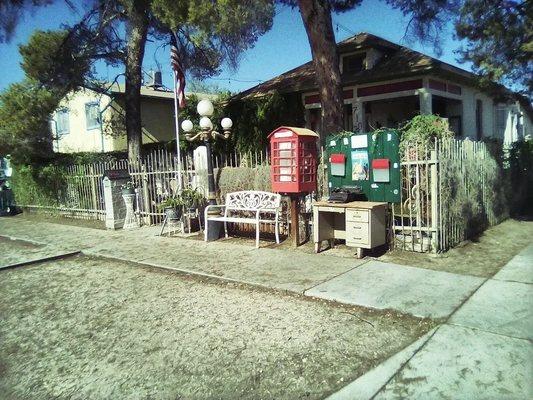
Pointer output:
435, 245
93, 188
146, 193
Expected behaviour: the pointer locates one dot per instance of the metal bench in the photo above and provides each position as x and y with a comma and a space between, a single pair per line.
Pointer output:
247, 207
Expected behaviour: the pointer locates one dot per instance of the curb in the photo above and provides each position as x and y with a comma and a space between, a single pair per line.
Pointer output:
41, 260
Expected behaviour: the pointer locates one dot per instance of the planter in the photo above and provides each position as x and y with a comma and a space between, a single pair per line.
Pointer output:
173, 213
128, 191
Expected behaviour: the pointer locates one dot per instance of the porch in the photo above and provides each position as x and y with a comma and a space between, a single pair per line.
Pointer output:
389, 105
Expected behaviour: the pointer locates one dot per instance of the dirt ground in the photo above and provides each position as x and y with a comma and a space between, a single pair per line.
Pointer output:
483, 257
38, 216
89, 328
11, 250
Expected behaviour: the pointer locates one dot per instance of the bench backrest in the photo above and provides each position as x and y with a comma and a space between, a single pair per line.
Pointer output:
252, 200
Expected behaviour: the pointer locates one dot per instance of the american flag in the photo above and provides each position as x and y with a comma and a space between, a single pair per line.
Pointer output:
179, 75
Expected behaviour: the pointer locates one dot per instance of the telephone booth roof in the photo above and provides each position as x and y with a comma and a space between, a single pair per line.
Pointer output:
297, 131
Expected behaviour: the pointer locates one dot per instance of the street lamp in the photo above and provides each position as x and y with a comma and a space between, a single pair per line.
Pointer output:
207, 132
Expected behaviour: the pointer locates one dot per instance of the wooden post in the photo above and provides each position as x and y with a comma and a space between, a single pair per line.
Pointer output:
295, 219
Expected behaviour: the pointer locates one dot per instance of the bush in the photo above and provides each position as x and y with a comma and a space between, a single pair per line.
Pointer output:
422, 130
520, 171
243, 178
38, 186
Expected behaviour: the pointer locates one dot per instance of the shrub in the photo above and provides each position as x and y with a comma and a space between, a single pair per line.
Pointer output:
422, 130
243, 178
520, 172
38, 186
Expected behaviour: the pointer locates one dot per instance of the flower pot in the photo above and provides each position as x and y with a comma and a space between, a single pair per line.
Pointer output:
173, 213
128, 191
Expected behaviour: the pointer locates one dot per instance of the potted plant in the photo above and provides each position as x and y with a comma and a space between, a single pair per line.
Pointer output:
192, 199
173, 207
128, 188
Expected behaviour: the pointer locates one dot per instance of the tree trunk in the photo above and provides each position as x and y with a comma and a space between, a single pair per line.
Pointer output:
316, 16
136, 31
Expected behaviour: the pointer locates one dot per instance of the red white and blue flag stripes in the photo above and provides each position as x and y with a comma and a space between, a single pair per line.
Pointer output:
178, 74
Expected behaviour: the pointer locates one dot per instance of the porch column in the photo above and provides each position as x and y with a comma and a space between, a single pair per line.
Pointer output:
426, 106
358, 110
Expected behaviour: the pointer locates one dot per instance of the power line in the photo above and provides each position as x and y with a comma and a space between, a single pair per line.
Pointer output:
345, 28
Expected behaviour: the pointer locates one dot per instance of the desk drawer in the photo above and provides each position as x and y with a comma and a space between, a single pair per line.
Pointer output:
329, 209
357, 215
357, 232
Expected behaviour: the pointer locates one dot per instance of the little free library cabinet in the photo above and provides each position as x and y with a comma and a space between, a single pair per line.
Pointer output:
360, 223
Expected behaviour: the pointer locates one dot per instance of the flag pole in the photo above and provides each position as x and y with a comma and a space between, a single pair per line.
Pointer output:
174, 44
176, 117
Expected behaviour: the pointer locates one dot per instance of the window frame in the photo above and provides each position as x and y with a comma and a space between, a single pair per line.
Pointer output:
97, 124
347, 55
479, 119
501, 123
66, 129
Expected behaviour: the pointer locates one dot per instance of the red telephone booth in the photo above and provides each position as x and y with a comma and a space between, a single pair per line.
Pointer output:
293, 156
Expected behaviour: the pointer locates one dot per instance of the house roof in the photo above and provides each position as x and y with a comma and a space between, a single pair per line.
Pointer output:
165, 94
397, 61
298, 131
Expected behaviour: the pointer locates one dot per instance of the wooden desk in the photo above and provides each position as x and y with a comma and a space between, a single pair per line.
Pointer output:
360, 223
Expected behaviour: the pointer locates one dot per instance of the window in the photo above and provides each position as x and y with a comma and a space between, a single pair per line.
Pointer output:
479, 119
501, 121
353, 63
92, 115
62, 122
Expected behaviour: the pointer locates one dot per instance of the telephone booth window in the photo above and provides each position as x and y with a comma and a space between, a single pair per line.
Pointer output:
293, 160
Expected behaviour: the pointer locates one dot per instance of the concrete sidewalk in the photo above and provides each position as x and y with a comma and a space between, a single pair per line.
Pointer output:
484, 351
279, 269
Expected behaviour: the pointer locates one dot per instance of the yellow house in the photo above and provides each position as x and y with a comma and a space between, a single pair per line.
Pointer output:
94, 122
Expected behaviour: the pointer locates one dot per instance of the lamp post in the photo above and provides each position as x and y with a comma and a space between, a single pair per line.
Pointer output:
206, 133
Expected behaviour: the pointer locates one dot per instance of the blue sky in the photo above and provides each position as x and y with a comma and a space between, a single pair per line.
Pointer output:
284, 47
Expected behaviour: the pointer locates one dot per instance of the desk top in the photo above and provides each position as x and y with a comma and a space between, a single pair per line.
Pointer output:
369, 205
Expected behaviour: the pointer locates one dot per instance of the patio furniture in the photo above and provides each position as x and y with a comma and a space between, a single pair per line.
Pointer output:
247, 207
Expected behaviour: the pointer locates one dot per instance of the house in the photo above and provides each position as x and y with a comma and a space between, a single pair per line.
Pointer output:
94, 122
385, 84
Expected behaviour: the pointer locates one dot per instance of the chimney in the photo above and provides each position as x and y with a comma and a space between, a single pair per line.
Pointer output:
155, 80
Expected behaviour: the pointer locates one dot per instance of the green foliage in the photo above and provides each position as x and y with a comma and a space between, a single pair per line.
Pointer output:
499, 40
191, 197
520, 163
24, 121
188, 198
38, 185
53, 59
171, 202
211, 32
254, 118
422, 130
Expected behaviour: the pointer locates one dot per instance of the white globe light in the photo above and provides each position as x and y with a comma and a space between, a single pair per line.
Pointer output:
226, 123
187, 125
205, 123
205, 108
